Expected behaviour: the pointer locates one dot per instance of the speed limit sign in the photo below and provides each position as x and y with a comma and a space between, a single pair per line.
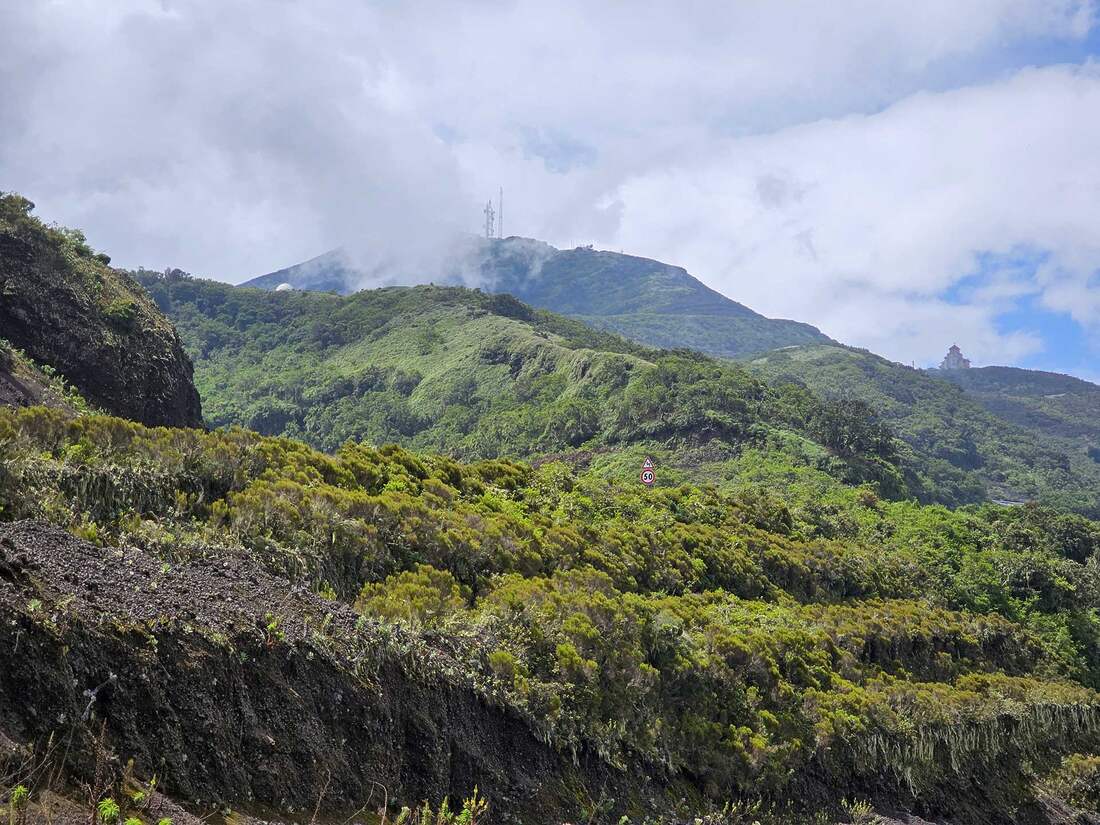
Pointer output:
647, 473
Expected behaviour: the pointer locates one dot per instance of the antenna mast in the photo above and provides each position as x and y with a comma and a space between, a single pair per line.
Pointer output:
489, 215
500, 214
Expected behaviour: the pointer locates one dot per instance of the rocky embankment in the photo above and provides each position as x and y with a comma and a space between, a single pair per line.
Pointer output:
237, 689
65, 307
241, 691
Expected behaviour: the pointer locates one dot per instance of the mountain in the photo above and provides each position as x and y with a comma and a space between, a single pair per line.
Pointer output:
332, 271
480, 375
1060, 405
68, 311
226, 625
648, 301
995, 432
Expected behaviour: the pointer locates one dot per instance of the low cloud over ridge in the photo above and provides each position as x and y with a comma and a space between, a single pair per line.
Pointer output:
896, 176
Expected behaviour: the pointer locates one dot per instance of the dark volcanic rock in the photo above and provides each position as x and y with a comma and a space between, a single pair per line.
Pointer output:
235, 688
17, 390
62, 305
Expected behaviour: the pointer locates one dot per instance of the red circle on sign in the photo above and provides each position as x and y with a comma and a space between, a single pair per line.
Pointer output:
648, 477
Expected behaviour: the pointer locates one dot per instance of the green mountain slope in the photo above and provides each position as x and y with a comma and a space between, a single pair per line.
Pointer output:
649, 301
275, 630
480, 375
580, 648
1003, 433
645, 300
1060, 405
66, 309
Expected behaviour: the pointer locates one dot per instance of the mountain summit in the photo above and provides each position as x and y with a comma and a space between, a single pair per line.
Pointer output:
647, 300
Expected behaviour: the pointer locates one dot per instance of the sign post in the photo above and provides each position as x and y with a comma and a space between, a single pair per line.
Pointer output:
648, 477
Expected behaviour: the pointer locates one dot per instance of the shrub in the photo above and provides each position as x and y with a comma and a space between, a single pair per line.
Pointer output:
108, 811
1077, 781
424, 598
121, 313
17, 805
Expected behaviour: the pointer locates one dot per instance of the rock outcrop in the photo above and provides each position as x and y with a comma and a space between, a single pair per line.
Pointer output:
65, 307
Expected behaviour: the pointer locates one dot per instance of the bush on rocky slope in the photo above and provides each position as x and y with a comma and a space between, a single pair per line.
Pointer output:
919, 657
66, 309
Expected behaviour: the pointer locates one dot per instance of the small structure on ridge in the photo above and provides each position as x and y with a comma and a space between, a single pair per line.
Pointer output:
954, 360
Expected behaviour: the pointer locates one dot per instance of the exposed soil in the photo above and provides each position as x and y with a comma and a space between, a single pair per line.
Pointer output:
242, 691
233, 687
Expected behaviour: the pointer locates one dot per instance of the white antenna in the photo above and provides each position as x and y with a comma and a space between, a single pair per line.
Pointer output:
489, 214
500, 214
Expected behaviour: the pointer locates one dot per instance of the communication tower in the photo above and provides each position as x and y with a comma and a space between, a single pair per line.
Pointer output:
489, 216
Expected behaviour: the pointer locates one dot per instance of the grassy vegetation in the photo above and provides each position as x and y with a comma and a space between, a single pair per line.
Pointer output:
481, 376
759, 640
993, 434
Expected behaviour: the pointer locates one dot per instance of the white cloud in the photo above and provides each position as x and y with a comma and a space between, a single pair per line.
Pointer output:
801, 156
896, 205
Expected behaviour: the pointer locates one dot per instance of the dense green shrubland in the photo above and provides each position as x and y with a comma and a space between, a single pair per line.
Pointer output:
757, 641
969, 435
474, 375
478, 376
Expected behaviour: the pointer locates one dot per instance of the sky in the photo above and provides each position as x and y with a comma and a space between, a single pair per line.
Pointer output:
901, 175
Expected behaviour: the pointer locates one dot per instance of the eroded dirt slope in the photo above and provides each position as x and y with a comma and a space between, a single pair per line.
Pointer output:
236, 688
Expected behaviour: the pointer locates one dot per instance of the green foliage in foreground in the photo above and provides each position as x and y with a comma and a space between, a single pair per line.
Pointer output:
753, 642
1077, 781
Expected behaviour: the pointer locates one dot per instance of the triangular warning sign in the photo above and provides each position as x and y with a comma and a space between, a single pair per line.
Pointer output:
647, 464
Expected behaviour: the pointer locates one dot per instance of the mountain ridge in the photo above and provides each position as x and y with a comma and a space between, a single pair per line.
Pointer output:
1063, 404
997, 442
637, 297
